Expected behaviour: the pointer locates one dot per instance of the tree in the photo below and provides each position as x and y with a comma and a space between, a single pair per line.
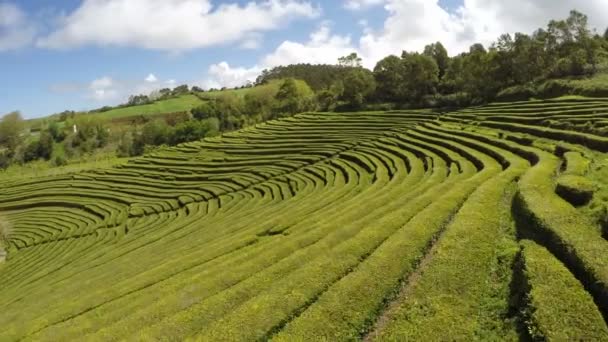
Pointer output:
136, 100
31, 151
352, 60
155, 133
125, 146
45, 146
206, 110
479, 73
421, 76
390, 74
260, 101
358, 84
294, 96
530, 60
438, 52
11, 130
189, 131
182, 89
230, 108
56, 132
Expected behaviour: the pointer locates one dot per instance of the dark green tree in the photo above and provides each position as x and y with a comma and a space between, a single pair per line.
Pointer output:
206, 110
45, 146
294, 96
359, 84
353, 60
12, 130
439, 53
390, 74
56, 131
189, 131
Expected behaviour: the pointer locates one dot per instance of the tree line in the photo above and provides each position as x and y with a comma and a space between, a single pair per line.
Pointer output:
516, 66
546, 63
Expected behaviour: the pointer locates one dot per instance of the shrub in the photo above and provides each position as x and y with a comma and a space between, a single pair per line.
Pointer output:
576, 190
60, 161
517, 93
6, 229
455, 100
558, 307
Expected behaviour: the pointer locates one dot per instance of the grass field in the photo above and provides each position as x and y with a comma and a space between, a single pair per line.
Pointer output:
180, 104
398, 226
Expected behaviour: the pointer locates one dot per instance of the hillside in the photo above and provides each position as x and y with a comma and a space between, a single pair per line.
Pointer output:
179, 104
488, 223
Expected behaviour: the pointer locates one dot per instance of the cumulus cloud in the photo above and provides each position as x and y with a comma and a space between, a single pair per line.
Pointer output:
412, 24
223, 75
361, 4
103, 89
16, 31
322, 47
110, 91
172, 25
151, 78
171, 83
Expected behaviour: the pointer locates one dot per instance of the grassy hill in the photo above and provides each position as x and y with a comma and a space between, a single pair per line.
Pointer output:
180, 104
488, 223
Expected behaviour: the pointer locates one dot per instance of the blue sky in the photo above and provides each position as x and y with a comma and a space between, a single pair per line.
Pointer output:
83, 54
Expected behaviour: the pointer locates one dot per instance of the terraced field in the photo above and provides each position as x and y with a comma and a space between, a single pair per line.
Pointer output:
471, 225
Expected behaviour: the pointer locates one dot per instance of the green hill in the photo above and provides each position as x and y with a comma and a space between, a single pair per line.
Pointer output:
179, 104
402, 225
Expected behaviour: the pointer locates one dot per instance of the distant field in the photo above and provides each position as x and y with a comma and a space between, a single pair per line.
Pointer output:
488, 223
212, 94
180, 104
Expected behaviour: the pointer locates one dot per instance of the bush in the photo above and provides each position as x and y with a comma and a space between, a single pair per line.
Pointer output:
59, 161
576, 190
189, 131
554, 88
517, 93
455, 100
5, 231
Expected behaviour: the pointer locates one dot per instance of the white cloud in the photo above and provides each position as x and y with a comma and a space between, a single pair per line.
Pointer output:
223, 75
110, 91
103, 89
16, 31
322, 47
253, 41
172, 25
412, 24
151, 78
356, 5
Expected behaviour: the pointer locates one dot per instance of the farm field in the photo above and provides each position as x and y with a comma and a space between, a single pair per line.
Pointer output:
488, 223
180, 104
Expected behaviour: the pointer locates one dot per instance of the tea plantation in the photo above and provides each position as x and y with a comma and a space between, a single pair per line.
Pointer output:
488, 223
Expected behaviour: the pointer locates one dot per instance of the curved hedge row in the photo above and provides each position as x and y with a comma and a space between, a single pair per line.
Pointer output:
323, 226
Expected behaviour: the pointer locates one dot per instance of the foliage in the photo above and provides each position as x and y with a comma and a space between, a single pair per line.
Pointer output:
358, 85
6, 230
11, 130
438, 53
319, 77
293, 97
171, 105
352, 61
399, 225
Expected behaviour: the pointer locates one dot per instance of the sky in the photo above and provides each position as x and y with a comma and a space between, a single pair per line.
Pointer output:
60, 55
